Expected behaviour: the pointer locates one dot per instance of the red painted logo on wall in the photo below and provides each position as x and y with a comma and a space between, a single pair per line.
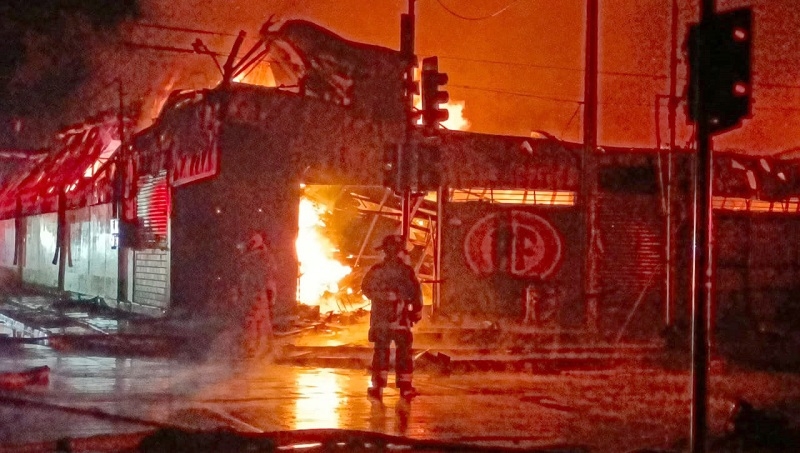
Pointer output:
519, 243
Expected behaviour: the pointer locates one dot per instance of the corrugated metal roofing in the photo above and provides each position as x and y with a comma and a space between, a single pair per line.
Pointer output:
79, 164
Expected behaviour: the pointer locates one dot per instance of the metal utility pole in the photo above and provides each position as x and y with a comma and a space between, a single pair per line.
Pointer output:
672, 106
407, 50
122, 230
702, 268
61, 238
589, 179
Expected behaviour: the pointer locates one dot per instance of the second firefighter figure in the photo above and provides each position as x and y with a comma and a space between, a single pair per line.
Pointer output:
396, 297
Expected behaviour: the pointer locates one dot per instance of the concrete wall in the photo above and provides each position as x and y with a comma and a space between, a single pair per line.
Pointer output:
7, 243
92, 265
8, 271
40, 248
93, 269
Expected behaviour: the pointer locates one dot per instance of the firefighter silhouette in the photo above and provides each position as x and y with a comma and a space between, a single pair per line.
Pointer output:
256, 291
396, 297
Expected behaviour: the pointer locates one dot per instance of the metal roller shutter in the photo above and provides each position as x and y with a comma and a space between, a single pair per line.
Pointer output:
632, 264
151, 257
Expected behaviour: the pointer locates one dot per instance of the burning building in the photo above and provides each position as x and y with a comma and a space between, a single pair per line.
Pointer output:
504, 238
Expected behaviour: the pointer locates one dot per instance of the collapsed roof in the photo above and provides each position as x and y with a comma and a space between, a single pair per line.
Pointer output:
336, 104
80, 165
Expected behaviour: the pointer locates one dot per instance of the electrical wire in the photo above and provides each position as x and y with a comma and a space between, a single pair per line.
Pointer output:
138, 45
517, 93
554, 67
500, 11
474, 60
547, 98
162, 48
575, 101
574, 114
776, 85
610, 73
181, 29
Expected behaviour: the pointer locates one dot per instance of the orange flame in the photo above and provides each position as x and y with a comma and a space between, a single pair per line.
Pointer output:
456, 121
455, 110
259, 74
320, 273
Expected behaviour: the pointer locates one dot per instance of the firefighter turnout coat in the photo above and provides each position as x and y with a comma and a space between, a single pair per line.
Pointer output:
396, 297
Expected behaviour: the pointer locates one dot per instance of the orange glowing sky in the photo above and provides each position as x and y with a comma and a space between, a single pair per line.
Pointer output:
521, 70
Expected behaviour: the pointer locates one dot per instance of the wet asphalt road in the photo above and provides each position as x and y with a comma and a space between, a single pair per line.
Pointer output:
610, 410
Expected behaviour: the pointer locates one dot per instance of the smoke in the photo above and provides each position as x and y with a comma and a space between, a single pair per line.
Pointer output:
62, 61
47, 49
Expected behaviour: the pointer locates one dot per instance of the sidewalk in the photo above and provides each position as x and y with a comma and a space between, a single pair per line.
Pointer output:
445, 349
337, 341
69, 322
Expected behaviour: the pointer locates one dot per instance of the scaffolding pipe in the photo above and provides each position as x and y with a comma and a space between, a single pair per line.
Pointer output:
441, 195
371, 228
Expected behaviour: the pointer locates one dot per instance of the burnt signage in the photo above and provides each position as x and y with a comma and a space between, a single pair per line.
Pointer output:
519, 243
202, 160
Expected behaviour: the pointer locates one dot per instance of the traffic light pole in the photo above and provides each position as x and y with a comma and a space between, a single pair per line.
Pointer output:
407, 33
702, 264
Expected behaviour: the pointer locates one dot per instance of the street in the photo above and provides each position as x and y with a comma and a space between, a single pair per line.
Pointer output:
612, 410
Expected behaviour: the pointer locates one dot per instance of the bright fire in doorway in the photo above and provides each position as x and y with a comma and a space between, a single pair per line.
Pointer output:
320, 272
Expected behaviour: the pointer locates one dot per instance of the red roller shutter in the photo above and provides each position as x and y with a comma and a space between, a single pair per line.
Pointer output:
152, 209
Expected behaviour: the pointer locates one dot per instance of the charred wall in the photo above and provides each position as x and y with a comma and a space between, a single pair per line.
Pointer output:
493, 253
270, 143
256, 190
325, 143
757, 315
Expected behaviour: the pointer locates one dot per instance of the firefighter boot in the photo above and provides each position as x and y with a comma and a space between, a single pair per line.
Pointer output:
375, 393
408, 392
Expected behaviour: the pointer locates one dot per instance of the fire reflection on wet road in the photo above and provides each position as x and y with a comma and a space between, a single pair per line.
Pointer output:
320, 398
614, 410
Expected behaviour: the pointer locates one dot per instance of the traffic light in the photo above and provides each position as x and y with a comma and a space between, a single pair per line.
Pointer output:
410, 86
410, 89
719, 69
393, 168
428, 167
432, 95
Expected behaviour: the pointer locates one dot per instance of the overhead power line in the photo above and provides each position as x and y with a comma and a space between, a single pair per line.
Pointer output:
451, 57
181, 29
137, 45
517, 93
544, 97
566, 126
624, 104
555, 67
460, 16
776, 85
609, 73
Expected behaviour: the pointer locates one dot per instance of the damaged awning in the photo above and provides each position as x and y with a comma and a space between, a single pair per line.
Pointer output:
759, 178
16, 162
318, 63
80, 164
